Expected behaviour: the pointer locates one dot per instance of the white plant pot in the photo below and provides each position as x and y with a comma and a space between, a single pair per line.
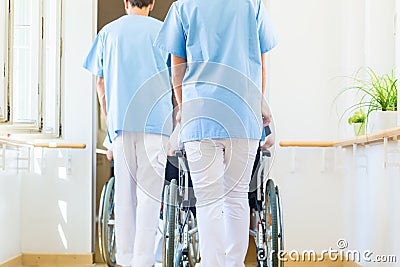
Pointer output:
379, 120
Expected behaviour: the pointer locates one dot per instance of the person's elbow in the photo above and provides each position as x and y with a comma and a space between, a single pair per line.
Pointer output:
264, 62
177, 77
178, 74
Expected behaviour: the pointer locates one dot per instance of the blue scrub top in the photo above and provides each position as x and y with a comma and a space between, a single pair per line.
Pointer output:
222, 42
137, 86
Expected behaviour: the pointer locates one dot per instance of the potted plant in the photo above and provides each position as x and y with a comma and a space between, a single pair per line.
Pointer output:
378, 95
358, 120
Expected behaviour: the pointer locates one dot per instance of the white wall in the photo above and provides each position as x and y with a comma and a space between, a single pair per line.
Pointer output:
316, 44
10, 207
50, 210
372, 202
9, 183
312, 196
57, 207
379, 33
340, 196
321, 41
310, 54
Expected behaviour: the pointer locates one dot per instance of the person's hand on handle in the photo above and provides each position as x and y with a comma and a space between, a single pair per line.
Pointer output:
269, 142
110, 155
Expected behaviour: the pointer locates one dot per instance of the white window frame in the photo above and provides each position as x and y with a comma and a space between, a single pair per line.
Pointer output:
47, 122
3, 62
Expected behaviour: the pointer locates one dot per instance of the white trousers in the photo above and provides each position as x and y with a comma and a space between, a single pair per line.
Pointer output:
139, 165
221, 170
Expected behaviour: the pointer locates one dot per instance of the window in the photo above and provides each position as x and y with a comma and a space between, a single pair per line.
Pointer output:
30, 96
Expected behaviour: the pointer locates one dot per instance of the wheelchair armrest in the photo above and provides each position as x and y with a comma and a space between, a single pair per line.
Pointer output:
265, 152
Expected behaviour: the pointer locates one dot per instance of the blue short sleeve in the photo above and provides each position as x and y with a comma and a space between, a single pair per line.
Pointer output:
172, 37
94, 60
266, 32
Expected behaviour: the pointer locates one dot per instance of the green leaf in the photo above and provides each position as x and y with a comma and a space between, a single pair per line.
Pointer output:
376, 92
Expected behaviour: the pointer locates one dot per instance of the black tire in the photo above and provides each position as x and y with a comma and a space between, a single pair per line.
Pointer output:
170, 212
271, 234
100, 220
280, 224
164, 244
106, 224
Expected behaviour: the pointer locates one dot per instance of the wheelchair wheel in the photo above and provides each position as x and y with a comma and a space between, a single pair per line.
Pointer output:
193, 247
106, 230
170, 213
280, 223
273, 229
164, 229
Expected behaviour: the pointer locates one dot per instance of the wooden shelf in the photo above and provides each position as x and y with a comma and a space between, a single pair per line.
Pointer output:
390, 134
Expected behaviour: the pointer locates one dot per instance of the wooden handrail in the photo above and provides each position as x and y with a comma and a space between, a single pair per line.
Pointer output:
13, 142
372, 138
360, 140
59, 145
306, 144
16, 142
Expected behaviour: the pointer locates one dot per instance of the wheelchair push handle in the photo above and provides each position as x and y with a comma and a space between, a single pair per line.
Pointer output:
265, 152
179, 153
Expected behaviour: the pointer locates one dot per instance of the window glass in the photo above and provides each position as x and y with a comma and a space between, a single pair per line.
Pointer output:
25, 62
51, 82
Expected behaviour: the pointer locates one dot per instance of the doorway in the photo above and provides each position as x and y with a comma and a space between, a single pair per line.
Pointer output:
107, 11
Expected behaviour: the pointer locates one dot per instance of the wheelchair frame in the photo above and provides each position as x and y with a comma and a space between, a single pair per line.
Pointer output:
268, 230
181, 241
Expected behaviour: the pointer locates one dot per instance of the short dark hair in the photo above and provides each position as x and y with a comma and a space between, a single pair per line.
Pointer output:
141, 3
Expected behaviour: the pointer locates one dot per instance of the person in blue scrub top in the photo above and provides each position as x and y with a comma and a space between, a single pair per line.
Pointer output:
218, 52
134, 93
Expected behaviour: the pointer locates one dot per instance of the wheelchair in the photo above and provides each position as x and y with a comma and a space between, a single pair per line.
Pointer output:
106, 230
180, 246
181, 239
266, 207
179, 216
181, 243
